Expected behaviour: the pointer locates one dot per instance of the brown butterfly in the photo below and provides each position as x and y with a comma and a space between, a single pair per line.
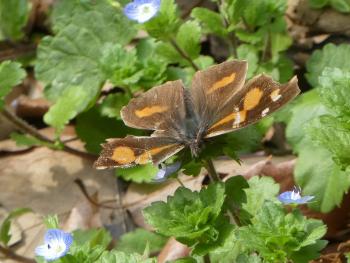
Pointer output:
219, 102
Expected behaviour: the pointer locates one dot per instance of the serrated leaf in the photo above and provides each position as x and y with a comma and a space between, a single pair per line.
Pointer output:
188, 38
11, 74
71, 102
191, 217
317, 174
71, 59
121, 257
14, 15
211, 21
28, 140
138, 174
235, 193
249, 53
260, 189
6, 225
137, 240
91, 127
307, 107
165, 23
330, 56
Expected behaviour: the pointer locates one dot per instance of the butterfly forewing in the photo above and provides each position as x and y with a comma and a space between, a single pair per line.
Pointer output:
131, 150
156, 108
260, 97
214, 87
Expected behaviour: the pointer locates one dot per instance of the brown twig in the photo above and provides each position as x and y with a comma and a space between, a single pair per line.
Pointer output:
8, 253
17, 52
27, 128
183, 54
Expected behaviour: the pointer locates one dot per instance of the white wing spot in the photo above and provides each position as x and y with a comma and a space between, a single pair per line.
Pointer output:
237, 119
264, 112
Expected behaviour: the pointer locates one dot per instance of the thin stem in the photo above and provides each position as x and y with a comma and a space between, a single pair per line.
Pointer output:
8, 253
208, 164
206, 258
27, 128
183, 54
180, 182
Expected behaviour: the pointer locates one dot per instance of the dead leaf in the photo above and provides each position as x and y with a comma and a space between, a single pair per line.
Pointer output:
173, 250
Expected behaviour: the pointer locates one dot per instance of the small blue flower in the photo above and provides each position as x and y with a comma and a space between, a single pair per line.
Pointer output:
57, 244
142, 10
167, 170
294, 197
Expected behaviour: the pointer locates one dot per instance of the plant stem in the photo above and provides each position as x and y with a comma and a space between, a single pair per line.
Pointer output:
208, 164
27, 128
206, 258
183, 54
8, 253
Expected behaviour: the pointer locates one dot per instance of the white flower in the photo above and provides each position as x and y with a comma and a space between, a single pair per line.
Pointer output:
57, 244
142, 10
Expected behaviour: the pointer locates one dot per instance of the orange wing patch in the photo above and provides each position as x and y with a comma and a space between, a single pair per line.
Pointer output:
149, 111
252, 98
222, 83
147, 156
123, 155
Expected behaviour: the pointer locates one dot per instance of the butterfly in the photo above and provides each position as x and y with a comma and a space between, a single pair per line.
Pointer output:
218, 102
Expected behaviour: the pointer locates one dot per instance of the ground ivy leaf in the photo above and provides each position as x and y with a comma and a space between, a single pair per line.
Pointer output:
91, 129
330, 56
139, 174
260, 189
137, 240
71, 58
13, 18
69, 104
188, 38
194, 218
113, 103
318, 175
11, 74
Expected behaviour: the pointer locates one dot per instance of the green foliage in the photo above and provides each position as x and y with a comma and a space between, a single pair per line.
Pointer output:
211, 21
330, 56
339, 5
193, 218
5, 235
51, 222
28, 140
276, 236
14, 15
137, 241
11, 74
139, 174
121, 257
188, 38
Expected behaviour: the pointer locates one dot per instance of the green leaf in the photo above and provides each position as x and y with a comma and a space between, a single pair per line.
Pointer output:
318, 175
188, 38
6, 225
260, 189
136, 242
249, 53
235, 193
192, 168
92, 237
307, 107
165, 23
330, 56
93, 129
276, 236
71, 102
121, 257
192, 218
113, 103
14, 15
11, 74
138, 174
335, 87
249, 259
333, 134
211, 21
318, 3
339, 5
70, 60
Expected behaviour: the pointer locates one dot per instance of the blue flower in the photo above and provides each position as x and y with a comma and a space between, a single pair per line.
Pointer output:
57, 244
294, 197
167, 170
142, 10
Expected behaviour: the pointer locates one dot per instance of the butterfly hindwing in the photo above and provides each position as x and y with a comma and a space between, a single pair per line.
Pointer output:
156, 108
132, 150
260, 97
